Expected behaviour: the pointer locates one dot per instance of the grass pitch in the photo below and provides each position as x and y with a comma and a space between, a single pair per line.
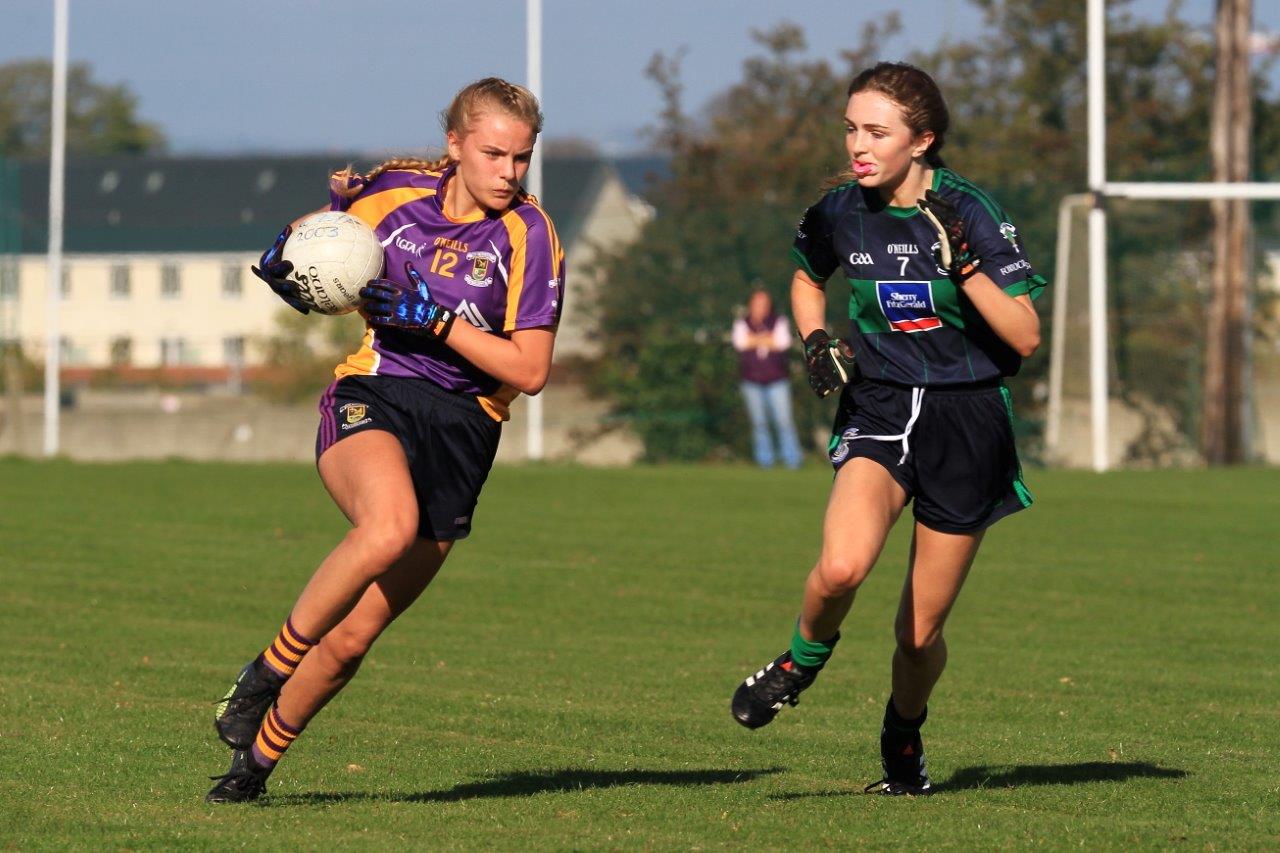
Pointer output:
565, 682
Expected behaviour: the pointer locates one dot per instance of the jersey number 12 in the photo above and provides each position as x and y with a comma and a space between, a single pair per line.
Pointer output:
443, 262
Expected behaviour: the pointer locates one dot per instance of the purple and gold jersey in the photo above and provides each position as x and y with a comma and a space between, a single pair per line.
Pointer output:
501, 272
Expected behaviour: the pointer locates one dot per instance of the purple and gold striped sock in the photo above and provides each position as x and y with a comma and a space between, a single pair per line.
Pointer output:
273, 739
286, 650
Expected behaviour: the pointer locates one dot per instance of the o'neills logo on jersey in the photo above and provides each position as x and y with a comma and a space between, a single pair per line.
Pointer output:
481, 272
908, 305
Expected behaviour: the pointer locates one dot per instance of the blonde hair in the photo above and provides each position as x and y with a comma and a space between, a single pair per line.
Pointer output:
472, 101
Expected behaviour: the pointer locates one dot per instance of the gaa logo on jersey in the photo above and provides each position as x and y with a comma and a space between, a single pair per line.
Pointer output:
481, 272
908, 305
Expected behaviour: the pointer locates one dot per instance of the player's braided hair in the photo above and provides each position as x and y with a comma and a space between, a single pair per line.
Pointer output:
491, 93
923, 107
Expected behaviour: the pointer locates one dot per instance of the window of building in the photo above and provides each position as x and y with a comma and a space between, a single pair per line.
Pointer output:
121, 285
173, 351
170, 282
66, 281
232, 282
68, 352
233, 350
121, 352
8, 280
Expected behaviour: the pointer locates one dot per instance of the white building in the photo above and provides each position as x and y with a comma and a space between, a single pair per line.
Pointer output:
158, 252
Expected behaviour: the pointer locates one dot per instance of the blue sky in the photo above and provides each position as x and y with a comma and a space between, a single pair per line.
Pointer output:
336, 75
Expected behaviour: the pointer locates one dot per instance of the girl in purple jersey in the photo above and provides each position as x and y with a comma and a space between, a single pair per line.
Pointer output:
410, 427
940, 313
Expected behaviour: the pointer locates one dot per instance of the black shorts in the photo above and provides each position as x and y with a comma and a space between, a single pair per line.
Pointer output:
449, 440
958, 464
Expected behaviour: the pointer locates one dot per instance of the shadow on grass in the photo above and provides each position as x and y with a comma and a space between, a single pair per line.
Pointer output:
529, 783
1024, 775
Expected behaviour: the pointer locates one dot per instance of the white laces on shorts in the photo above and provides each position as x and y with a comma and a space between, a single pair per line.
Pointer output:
917, 399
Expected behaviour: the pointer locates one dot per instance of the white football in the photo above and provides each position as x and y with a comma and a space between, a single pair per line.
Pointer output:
333, 254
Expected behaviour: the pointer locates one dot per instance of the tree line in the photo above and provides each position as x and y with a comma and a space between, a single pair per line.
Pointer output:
747, 165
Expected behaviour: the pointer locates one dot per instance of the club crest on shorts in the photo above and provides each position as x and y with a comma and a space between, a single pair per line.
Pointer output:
481, 273
840, 445
908, 305
355, 414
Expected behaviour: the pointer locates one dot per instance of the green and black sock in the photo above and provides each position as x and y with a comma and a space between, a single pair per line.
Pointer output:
811, 654
895, 722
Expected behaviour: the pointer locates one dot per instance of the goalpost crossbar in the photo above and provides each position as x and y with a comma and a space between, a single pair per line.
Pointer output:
1101, 189
1209, 191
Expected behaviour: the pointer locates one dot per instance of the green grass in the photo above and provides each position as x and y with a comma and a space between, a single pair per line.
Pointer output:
565, 682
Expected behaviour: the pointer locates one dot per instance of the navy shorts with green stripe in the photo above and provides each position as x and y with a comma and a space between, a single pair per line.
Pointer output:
960, 469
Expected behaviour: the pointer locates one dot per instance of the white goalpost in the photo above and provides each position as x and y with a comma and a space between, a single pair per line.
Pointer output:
1100, 190
57, 165
533, 59
52, 366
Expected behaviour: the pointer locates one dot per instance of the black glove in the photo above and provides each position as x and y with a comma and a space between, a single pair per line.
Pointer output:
275, 271
955, 254
830, 362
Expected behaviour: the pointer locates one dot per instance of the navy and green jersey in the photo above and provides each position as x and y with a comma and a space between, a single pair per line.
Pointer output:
910, 323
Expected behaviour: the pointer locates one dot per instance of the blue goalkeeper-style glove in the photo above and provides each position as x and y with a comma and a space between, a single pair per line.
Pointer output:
274, 270
955, 254
410, 308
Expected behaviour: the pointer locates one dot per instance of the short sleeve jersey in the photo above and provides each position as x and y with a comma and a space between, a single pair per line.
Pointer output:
500, 271
910, 323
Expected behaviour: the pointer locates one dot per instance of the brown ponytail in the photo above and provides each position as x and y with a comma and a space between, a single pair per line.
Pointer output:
923, 107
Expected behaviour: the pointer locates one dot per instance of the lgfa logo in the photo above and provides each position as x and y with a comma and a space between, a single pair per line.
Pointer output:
403, 244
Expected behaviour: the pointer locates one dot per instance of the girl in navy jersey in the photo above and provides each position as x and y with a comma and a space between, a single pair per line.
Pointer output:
463, 321
940, 313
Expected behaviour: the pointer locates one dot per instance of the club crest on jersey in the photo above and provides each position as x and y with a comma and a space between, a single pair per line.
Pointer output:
481, 272
1011, 234
908, 305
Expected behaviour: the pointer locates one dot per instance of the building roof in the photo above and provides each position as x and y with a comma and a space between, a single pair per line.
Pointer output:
642, 173
119, 204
